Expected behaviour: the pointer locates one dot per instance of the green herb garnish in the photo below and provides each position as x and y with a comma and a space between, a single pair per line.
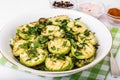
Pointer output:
49, 23
42, 23
77, 25
36, 44
78, 18
35, 30
25, 45
81, 45
32, 51
11, 46
87, 32
53, 48
42, 39
63, 24
78, 53
50, 31
61, 57
64, 43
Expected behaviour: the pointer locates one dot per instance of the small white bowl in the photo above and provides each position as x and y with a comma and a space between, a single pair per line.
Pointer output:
91, 7
71, 1
101, 32
111, 18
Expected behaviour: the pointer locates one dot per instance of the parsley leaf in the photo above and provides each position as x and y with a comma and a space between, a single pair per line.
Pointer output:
78, 18
87, 32
53, 48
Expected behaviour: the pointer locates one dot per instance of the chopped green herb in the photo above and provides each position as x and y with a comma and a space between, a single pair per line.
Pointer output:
49, 23
64, 43
81, 45
87, 32
78, 53
58, 49
96, 46
36, 44
74, 59
53, 48
51, 55
25, 45
61, 57
42, 23
43, 54
11, 46
63, 24
57, 20
42, 39
50, 31
33, 30
72, 42
69, 35
78, 18
32, 51
77, 25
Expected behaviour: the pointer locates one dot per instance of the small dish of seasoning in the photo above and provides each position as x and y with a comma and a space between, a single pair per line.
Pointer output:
68, 4
93, 8
113, 15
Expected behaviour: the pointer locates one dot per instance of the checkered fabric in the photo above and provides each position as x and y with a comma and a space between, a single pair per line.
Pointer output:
98, 72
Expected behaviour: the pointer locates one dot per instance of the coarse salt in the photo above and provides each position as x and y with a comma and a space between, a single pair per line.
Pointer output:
91, 8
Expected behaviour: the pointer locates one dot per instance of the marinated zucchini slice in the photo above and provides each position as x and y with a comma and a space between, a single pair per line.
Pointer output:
84, 51
59, 46
79, 27
55, 64
90, 38
58, 19
21, 30
33, 57
53, 31
27, 31
17, 50
83, 62
23, 36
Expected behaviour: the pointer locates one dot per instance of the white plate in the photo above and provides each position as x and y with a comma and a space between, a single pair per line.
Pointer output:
101, 32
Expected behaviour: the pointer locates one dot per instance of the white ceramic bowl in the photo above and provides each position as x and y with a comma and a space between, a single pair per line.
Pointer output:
101, 32
111, 18
91, 7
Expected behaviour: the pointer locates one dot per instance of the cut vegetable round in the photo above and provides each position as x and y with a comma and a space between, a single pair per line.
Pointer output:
89, 38
79, 27
53, 31
33, 57
57, 19
85, 51
59, 46
17, 50
54, 64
